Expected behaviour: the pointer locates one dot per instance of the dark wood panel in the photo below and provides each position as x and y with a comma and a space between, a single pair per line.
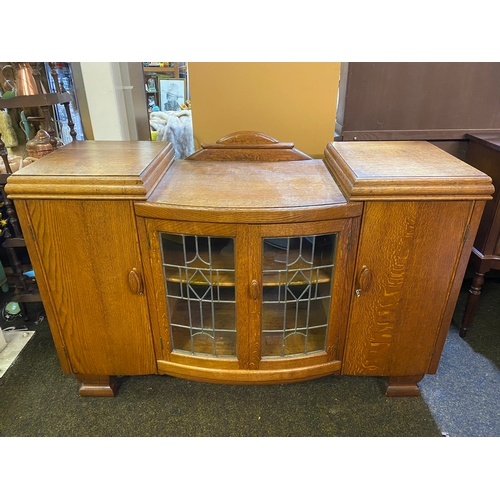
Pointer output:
422, 98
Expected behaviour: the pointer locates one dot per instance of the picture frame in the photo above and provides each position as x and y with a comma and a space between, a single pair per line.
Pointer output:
172, 93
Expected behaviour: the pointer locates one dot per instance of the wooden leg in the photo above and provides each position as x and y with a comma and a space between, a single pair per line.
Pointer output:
24, 311
400, 387
472, 299
97, 385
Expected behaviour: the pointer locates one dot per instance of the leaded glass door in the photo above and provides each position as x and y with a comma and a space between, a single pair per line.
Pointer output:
303, 293
297, 278
250, 302
199, 314
200, 285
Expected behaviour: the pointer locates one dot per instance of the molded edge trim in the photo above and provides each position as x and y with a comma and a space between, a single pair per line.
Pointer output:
224, 376
92, 187
408, 188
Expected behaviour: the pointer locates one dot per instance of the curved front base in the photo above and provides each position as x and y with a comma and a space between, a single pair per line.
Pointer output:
225, 376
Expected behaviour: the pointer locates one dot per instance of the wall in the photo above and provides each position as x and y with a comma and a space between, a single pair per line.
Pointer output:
293, 102
115, 100
105, 104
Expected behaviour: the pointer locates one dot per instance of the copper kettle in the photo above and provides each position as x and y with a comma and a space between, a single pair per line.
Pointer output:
25, 83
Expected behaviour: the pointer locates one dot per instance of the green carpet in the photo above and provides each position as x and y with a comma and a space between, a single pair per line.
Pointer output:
37, 399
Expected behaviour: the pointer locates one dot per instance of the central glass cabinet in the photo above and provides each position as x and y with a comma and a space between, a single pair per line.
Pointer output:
254, 300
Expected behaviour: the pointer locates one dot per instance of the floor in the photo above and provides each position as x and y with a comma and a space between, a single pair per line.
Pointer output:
460, 400
464, 395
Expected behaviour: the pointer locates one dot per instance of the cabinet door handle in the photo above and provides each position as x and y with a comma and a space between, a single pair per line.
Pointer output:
135, 282
363, 280
254, 289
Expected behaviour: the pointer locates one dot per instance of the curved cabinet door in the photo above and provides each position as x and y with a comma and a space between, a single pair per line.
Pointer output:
244, 303
300, 316
198, 275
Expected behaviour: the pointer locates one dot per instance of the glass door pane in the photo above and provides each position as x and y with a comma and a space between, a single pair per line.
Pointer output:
199, 274
297, 285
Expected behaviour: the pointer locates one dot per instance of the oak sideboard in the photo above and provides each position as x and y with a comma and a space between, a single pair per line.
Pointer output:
249, 262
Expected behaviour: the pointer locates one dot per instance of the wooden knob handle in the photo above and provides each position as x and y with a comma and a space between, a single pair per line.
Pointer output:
363, 281
135, 282
254, 289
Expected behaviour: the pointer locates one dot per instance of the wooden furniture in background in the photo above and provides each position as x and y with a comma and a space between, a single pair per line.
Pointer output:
417, 101
237, 270
175, 71
45, 101
436, 102
483, 152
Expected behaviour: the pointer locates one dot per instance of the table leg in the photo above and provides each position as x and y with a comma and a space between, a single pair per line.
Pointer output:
472, 300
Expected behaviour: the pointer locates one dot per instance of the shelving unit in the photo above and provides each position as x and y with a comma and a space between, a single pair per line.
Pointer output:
25, 286
45, 102
177, 71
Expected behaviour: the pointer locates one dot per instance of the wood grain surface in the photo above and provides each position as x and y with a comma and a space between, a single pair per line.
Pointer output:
403, 170
87, 250
411, 250
94, 170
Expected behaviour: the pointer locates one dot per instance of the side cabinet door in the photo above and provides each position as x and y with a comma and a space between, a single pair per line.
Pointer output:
407, 259
90, 274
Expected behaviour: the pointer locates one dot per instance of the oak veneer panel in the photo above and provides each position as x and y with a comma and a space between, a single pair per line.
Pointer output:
403, 170
248, 185
411, 250
94, 170
87, 250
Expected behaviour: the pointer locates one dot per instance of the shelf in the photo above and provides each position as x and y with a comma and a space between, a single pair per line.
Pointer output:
225, 278
272, 335
287, 325
224, 334
153, 69
223, 274
33, 101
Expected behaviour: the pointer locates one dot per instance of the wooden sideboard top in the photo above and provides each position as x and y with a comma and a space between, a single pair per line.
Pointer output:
146, 171
247, 185
401, 170
94, 169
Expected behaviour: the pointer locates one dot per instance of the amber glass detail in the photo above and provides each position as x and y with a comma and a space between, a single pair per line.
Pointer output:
199, 275
297, 282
